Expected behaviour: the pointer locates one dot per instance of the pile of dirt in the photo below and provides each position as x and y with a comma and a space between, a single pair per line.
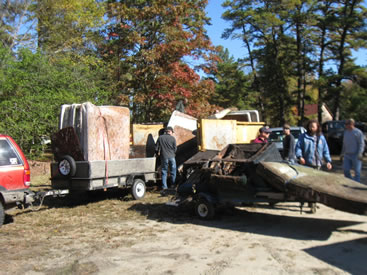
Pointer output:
39, 167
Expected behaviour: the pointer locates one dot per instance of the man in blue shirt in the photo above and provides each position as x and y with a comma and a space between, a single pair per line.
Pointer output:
352, 152
311, 147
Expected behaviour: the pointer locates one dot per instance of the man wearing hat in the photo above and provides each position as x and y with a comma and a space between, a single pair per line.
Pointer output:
166, 148
263, 136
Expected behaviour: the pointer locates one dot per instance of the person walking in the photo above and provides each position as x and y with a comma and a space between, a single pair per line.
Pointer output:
311, 148
264, 133
352, 150
166, 148
288, 145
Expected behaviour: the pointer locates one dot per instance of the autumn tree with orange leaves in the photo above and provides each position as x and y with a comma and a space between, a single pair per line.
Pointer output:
145, 44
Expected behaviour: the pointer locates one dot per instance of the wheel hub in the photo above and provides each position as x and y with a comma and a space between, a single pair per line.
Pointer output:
64, 167
202, 210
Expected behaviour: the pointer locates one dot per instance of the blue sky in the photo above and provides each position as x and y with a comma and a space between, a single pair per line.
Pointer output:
214, 11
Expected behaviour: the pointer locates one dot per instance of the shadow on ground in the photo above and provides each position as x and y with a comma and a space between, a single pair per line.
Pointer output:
250, 220
349, 256
74, 200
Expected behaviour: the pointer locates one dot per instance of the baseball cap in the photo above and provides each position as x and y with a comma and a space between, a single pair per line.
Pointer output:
169, 128
265, 129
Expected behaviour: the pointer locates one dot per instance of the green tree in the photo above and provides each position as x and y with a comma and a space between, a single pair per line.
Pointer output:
15, 23
290, 46
67, 25
233, 87
262, 25
145, 44
349, 34
32, 89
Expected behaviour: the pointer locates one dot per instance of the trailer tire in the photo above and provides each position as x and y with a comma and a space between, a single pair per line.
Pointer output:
138, 189
204, 209
67, 166
2, 214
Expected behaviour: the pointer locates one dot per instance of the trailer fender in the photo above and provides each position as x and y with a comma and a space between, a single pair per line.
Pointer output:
210, 198
131, 178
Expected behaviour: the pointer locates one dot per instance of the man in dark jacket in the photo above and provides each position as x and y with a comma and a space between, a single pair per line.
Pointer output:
166, 148
288, 145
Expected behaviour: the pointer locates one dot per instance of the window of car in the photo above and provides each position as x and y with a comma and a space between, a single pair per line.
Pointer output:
296, 133
278, 135
8, 155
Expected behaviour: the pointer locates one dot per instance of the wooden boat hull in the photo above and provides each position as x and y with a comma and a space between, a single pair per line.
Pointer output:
308, 184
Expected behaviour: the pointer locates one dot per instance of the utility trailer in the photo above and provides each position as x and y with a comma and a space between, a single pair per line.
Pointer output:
215, 179
96, 175
92, 151
245, 174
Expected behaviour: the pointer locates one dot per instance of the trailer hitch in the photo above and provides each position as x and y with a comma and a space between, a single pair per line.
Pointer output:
41, 195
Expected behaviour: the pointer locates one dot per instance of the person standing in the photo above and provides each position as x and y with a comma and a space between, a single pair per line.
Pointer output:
166, 148
288, 145
352, 151
312, 148
264, 133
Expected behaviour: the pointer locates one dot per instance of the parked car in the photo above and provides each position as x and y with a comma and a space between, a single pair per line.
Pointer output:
334, 131
15, 176
276, 136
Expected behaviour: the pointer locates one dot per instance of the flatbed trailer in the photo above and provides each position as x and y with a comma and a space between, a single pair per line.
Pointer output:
246, 174
96, 175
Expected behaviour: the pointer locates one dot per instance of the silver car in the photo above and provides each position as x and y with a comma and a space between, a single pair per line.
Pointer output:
277, 135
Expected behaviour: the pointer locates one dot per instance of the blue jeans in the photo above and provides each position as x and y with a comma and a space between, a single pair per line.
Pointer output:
172, 166
352, 162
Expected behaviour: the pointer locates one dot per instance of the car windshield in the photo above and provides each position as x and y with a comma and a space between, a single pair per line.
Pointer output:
278, 135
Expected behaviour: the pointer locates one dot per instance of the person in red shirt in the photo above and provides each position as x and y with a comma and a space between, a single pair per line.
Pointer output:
263, 136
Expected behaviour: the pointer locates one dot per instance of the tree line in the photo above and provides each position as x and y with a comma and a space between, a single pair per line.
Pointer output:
140, 53
300, 52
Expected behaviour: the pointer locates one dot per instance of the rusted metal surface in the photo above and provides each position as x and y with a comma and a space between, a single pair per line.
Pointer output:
309, 184
145, 134
229, 175
183, 135
216, 134
183, 120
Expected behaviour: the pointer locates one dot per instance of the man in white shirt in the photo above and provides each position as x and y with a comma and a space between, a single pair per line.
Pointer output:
352, 152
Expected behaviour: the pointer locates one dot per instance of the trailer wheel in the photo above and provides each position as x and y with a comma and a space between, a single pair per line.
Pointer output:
138, 189
2, 214
67, 166
204, 209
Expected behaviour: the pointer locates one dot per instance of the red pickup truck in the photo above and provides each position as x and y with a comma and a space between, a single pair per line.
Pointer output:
14, 177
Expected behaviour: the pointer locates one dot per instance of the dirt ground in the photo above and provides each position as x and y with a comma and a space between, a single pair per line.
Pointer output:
109, 233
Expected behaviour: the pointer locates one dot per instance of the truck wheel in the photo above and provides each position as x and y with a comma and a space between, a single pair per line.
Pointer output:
2, 214
204, 209
67, 166
138, 189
